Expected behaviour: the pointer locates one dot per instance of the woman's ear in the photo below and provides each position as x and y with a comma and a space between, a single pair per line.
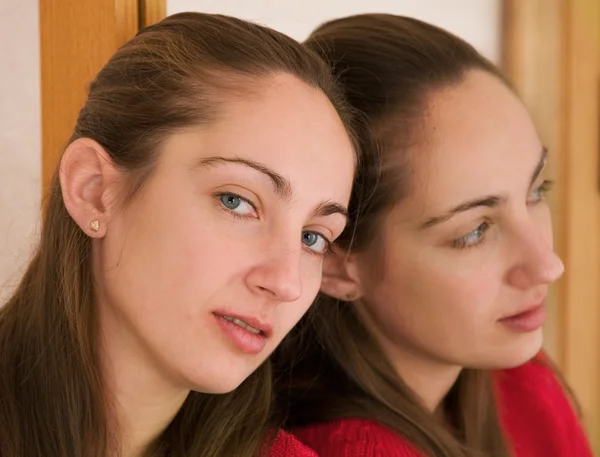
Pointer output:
89, 180
341, 278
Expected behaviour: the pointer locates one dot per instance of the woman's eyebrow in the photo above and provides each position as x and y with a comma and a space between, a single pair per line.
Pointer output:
282, 185
490, 201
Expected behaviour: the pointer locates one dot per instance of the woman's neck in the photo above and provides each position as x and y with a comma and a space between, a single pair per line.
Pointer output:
143, 402
143, 412
429, 379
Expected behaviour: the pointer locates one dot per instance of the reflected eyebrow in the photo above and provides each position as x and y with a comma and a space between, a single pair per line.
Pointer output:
490, 201
540, 166
282, 185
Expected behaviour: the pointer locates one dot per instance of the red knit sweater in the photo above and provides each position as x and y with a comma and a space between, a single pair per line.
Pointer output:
536, 415
285, 445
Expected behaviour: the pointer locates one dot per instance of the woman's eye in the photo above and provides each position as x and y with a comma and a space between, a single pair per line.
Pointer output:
538, 194
236, 204
315, 242
472, 238
241, 207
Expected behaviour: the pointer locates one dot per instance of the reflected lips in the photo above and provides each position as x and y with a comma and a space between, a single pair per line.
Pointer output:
527, 321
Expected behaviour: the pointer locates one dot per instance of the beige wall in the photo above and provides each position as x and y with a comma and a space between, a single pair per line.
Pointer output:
477, 21
20, 134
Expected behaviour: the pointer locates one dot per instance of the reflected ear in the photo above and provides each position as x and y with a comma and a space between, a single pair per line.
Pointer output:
88, 179
341, 277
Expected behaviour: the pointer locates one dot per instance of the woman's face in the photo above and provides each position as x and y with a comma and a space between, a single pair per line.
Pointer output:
459, 271
220, 253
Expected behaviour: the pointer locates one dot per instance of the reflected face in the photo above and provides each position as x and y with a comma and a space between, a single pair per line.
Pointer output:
220, 254
467, 255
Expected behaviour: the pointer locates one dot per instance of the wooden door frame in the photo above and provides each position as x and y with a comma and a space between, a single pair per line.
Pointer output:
76, 39
551, 52
152, 11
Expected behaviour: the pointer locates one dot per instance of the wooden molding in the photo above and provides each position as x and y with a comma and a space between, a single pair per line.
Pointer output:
151, 12
582, 116
76, 39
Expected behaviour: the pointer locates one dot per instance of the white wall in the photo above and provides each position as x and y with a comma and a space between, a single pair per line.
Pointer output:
20, 135
477, 21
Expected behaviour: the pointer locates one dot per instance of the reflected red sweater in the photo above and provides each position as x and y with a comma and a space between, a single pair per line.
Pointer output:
285, 445
536, 415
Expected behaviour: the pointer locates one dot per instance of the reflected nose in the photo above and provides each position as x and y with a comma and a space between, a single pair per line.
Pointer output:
538, 264
278, 274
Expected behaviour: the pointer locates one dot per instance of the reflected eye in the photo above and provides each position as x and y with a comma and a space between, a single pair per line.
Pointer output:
315, 242
472, 238
236, 204
538, 194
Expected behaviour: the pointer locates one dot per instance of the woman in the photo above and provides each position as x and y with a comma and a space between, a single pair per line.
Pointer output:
207, 174
430, 330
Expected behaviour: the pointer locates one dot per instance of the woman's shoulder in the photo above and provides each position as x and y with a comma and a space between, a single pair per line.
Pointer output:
538, 412
286, 445
539, 368
535, 383
354, 437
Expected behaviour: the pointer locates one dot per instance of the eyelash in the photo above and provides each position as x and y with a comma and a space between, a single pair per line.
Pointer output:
463, 241
480, 231
231, 212
326, 250
542, 190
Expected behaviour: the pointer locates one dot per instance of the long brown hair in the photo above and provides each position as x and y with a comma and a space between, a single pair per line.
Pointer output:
171, 75
389, 66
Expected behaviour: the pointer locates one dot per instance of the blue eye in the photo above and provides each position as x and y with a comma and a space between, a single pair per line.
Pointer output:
472, 238
230, 201
236, 204
315, 242
310, 238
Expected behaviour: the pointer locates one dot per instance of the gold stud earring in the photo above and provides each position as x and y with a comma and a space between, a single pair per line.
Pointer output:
95, 225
